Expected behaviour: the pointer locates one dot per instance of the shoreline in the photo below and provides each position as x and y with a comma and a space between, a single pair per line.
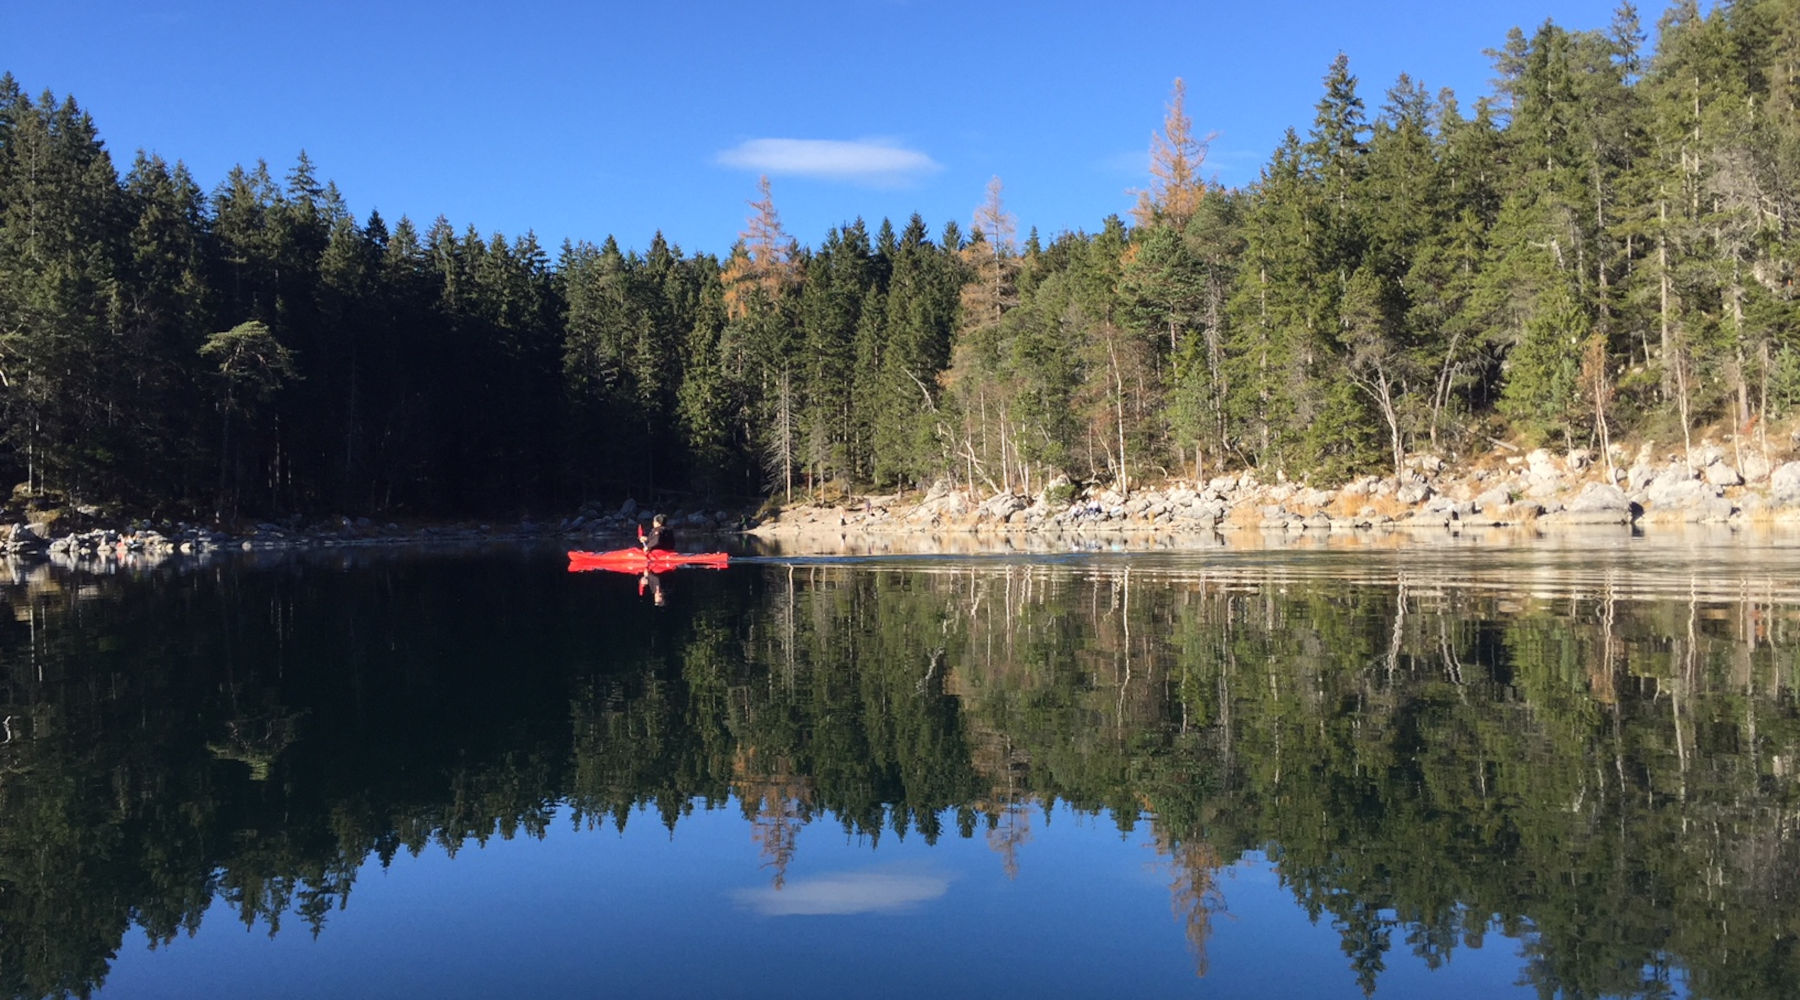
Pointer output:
1531, 493
1508, 499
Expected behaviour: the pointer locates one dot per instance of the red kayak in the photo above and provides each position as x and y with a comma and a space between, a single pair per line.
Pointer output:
638, 561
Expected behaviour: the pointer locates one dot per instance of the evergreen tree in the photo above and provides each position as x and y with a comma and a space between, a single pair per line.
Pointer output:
703, 399
346, 315
1543, 375
251, 366
59, 294
837, 280
910, 442
166, 302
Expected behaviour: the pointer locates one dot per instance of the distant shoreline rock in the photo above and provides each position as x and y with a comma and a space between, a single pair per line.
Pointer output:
1537, 490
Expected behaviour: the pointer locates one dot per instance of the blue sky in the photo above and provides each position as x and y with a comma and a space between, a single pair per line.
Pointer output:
580, 120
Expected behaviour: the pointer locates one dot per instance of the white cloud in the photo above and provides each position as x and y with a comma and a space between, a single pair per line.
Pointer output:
844, 893
869, 161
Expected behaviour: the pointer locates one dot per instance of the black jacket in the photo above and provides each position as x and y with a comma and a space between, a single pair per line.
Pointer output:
659, 539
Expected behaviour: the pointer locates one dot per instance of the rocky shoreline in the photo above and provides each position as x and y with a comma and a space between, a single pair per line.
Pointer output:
80, 540
1531, 491
1535, 489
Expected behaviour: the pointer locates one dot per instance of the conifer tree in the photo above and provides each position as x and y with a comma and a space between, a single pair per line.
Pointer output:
58, 291
838, 279
251, 367
703, 400
1176, 159
345, 310
165, 311
1272, 340
759, 280
919, 316
1543, 384
987, 446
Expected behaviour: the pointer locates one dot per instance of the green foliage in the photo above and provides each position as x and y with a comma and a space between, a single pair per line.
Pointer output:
1430, 258
1544, 371
251, 363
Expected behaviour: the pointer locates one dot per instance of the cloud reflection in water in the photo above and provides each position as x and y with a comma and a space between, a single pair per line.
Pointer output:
845, 893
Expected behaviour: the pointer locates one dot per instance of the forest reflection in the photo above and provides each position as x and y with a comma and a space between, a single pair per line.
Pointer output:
1597, 762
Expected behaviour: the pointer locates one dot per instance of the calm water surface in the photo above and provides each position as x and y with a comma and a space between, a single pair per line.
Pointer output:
1560, 769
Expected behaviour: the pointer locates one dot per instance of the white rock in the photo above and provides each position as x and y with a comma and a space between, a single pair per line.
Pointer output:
1721, 474
1784, 484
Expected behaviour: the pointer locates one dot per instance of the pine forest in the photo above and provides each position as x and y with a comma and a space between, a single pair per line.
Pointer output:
1602, 250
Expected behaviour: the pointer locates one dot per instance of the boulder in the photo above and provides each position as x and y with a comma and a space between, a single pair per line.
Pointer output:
1276, 516
1493, 499
1721, 474
1542, 486
1784, 485
1665, 493
1597, 503
1713, 510
1596, 498
1456, 509
1004, 505
1314, 498
28, 532
1754, 467
1359, 487
1426, 519
1204, 513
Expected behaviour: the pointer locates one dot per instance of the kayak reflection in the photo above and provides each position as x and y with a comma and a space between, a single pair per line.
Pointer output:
652, 582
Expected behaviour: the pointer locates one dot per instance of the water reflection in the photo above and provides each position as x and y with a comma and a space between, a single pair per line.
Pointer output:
844, 893
1426, 747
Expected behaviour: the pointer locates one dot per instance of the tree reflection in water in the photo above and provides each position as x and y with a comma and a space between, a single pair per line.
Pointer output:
1600, 763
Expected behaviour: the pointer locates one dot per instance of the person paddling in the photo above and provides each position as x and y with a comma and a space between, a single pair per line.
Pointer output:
661, 537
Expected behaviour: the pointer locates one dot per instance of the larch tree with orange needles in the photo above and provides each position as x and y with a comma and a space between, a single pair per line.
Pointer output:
764, 262
759, 280
1176, 158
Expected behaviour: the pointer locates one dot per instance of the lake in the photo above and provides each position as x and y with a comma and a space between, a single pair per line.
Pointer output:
1562, 768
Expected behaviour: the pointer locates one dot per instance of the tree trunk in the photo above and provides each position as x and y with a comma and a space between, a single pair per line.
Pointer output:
1662, 267
1112, 356
1681, 389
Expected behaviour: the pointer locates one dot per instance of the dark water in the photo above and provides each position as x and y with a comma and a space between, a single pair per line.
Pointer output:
1553, 771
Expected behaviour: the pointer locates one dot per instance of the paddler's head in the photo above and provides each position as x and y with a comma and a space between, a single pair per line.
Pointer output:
659, 519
